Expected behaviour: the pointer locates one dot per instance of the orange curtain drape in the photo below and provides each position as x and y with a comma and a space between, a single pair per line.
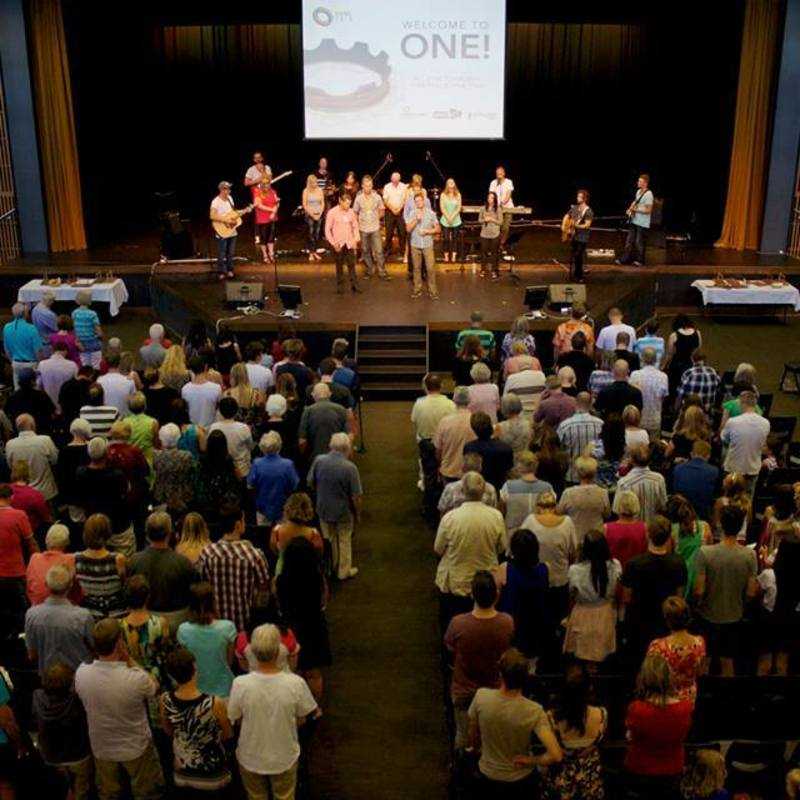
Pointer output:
58, 144
744, 208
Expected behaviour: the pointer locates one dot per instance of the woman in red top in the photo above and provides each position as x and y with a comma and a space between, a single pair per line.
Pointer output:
657, 724
266, 202
627, 537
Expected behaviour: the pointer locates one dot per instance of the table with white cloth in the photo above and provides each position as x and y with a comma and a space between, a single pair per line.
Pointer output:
115, 293
774, 295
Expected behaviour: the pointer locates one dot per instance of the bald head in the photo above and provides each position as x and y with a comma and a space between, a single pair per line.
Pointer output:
621, 370
25, 422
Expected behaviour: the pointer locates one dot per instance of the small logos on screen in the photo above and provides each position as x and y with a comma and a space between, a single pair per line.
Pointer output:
325, 17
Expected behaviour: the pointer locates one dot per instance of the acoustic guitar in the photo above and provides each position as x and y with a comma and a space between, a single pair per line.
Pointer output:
567, 228
228, 225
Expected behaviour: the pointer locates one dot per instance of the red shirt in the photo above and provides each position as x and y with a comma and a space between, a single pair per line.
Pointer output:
14, 529
266, 198
38, 566
626, 540
32, 502
656, 737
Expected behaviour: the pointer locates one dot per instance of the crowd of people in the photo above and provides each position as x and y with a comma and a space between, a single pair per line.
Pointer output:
601, 519
172, 516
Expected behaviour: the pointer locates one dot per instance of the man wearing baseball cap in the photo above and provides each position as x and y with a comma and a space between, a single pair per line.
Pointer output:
221, 207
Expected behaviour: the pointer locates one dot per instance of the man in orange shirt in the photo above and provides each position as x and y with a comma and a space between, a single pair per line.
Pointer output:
562, 341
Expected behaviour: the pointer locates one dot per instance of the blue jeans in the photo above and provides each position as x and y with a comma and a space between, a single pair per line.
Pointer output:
314, 229
225, 250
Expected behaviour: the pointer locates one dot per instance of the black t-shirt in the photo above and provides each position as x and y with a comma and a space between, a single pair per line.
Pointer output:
582, 364
104, 491
302, 375
169, 574
616, 396
34, 402
498, 459
631, 358
73, 396
159, 403
652, 578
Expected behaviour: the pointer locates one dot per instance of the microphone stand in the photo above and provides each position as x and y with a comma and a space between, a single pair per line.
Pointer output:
429, 157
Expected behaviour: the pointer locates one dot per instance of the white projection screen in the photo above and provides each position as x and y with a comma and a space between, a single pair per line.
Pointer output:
404, 69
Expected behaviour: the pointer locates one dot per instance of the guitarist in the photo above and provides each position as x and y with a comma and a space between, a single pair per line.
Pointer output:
638, 213
578, 224
221, 208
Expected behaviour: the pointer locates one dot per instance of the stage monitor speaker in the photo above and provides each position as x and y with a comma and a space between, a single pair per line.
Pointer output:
244, 293
566, 294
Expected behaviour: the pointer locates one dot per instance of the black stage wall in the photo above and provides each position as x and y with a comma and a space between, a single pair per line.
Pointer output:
173, 99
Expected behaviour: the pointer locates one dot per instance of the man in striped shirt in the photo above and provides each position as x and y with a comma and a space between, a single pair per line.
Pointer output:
475, 329
654, 386
700, 380
650, 487
99, 416
577, 432
235, 569
528, 385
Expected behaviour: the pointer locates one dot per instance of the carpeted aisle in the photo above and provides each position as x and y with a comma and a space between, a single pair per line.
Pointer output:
383, 733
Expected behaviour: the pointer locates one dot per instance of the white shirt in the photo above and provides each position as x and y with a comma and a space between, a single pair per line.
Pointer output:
654, 386
114, 695
116, 391
240, 442
40, 453
261, 378
503, 192
202, 399
528, 385
395, 196
255, 174
607, 340
54, 372
745, 436
269, 707
221, 207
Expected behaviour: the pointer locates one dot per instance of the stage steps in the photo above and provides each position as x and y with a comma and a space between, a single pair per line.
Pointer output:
392, 360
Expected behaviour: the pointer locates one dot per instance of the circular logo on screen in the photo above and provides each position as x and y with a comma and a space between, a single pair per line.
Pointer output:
322, 16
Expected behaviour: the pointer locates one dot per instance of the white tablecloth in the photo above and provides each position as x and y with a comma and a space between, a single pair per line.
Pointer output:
114, 293
786, 295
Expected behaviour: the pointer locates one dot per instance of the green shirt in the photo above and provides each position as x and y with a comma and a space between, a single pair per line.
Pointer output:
486, 337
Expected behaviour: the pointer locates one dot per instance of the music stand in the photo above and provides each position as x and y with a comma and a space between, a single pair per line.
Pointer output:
514, 238
535, 298
291, 297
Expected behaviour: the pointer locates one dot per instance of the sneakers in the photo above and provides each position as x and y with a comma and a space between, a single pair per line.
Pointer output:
353, 572
416, 295
433, 295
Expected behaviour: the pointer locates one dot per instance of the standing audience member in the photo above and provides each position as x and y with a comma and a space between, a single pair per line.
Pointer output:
16, 544
586, 504
146, 635
627, 535
654, 386
26, 498
235, 569
555, 406
29, 399
260, 377
649, 486
337, 484
515, 429
579, 359
504, 725
87, 329
21, 342
484, 395
272, 478
469, 538
198, 725
697, 480
651, 340
56, 543
453, 493
298, 512
518, 494
613, 398
497, 456
452, 433
55, 371
174, 473
169, 574
114, 694
725, 580
699, 380
43, 316
657, 724
745, 435
38, 451
201, 393
99, 415
238, 435
320, 421
210, 640
117, 388
476, 641
430, 410
564, 339
271, 705
56, 630
99, 572
607, 338
648, 580
194, 537
578, 432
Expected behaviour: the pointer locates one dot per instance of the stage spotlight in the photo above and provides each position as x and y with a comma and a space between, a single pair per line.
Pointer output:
291, 297
535, 298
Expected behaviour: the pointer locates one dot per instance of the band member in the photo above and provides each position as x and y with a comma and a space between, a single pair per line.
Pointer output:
394, 198
351, 186
341, 230
422, 226
258, 171
450, 206
369, 210
414, 188
639, 213
223, 211
491, 220
325, 181
581, 216
266, 203
314, 207
503, 187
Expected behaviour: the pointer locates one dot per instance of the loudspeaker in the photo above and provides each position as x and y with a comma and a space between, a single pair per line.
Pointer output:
244, 292
566, 294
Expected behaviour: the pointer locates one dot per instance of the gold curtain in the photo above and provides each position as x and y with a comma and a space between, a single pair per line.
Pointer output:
744, 208
56, 125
